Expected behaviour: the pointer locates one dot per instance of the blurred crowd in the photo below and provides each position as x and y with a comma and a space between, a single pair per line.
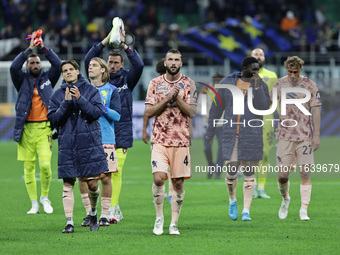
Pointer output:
156, 24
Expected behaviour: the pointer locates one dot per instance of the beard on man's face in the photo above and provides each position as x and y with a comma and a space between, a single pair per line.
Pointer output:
261, 63
172, 72
35, 72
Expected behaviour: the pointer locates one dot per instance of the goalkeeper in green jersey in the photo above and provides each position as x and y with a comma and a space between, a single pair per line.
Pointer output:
270, 78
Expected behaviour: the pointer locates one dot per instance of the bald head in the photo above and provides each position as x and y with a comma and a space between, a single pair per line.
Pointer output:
259, 55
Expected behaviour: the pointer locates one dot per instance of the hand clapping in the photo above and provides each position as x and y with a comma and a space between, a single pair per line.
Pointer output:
69, 92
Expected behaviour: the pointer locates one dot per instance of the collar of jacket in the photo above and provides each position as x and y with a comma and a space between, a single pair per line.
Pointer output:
116, 75
81, 81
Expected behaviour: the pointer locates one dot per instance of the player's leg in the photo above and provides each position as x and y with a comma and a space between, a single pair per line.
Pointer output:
116, 179
68, 203
232, 167
176, 204
31, 185
94, 192
159, 164
158, 198
44, 151
248, 169
26, 153
268, 137
180, 164
106, 198
106, 179
84, 192
305, 191
305, 157
158, 191
285, 159
231, 182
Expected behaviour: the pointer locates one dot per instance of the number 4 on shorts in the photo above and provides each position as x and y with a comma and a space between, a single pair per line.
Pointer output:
186, 160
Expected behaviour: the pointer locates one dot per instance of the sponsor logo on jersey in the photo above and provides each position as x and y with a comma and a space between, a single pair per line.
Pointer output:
161, 89
125, 86
46, 83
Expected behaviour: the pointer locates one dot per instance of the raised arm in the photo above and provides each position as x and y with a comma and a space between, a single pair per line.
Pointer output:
15, 69
53, 72
95, 51
136, 69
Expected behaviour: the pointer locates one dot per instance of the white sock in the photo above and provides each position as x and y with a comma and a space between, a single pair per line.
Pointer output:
245, 210
93, 212
232, 200
69, 221
35, 203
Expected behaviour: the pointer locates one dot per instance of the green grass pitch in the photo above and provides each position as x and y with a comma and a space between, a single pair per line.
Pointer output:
204, 222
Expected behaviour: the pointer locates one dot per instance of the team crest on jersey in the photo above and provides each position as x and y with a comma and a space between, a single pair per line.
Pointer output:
181, 85
162, 89
104, 93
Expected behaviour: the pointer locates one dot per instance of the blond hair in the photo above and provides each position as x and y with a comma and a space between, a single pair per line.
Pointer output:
106, 74
294, 61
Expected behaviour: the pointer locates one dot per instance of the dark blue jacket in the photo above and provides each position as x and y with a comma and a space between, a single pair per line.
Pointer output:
24, 84
250, 143
80, 152
125, 81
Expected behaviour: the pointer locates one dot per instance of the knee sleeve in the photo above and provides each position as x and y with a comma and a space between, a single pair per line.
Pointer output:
248, 172
232, 169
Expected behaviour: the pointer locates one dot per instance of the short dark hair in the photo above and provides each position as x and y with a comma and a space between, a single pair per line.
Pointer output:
160, 68
173, 51
248, 61
71, 62
32, 55
116, 53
